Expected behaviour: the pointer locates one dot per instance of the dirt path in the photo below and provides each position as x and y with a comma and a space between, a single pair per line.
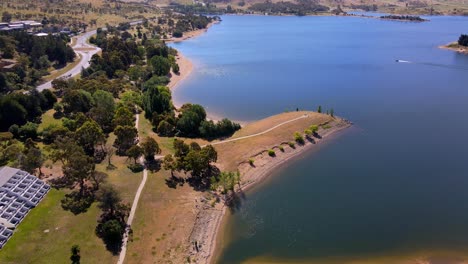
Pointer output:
123, 251
261, 133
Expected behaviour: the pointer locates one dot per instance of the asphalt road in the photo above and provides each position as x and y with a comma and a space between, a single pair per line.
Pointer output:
84, 50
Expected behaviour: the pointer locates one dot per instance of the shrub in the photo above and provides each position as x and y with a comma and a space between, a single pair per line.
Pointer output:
271, 153
177, 34
281, 148
251, 162
291, 144
313, 128
299, 138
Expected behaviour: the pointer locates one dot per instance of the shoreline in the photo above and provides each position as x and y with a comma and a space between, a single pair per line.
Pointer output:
205, 240
454, 46
186, 67
252, 176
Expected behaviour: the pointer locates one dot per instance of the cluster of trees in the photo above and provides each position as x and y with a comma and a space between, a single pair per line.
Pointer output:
463, 40
191, 121
406, 18
192, 159
302, 7
189, 23
18, 108
120, 50
34, 56
111, 225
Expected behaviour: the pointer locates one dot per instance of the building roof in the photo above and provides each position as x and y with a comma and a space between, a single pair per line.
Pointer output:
6, 173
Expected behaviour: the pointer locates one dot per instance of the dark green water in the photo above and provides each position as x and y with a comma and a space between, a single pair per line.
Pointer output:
394, 184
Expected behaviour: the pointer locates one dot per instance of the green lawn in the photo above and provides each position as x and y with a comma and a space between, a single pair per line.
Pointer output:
48, 119
32, 245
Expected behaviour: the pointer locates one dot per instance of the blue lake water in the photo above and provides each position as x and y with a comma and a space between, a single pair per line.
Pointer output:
395, 184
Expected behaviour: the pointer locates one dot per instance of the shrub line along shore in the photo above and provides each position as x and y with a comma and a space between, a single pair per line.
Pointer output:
209, 220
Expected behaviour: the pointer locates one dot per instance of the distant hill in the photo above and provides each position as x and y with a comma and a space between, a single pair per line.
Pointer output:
426, 7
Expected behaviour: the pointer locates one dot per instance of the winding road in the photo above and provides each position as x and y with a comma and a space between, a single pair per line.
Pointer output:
84, 50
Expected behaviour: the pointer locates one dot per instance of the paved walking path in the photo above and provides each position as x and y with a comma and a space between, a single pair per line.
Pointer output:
123, 251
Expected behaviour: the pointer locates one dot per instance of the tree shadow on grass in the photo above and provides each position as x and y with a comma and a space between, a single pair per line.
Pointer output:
77, 202
153, 165
202, 182
174, 181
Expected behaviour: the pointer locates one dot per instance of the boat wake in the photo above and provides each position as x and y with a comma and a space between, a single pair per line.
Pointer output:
455, 67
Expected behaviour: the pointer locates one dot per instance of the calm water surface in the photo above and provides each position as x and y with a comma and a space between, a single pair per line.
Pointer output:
395, 184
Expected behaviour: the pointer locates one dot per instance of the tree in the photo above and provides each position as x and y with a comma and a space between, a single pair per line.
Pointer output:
89, 135
165, 129
126, 138
31, 160
156, 99
227, 181
112, 232
11, 112
108, 199
78, 170
134, 152
332, 113
161, 66
77, 101
123, 117
463, 40
75, 254
319, 109
29, 130
169, 164
110, 151
103, 110
150, 148
6, 17
9, 149
98, 178
64, 149
190, 120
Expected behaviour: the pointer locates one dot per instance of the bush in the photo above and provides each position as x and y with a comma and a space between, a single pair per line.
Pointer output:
271, 153
28, 130
136, 167
177, 34
291, 144
281, 148
165, 129
251, 162
314, 128
299, 138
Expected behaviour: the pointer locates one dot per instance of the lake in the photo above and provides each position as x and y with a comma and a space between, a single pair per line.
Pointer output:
393, 187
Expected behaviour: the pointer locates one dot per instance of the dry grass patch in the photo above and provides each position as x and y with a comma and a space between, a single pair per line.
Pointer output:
232, 153
163, 222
